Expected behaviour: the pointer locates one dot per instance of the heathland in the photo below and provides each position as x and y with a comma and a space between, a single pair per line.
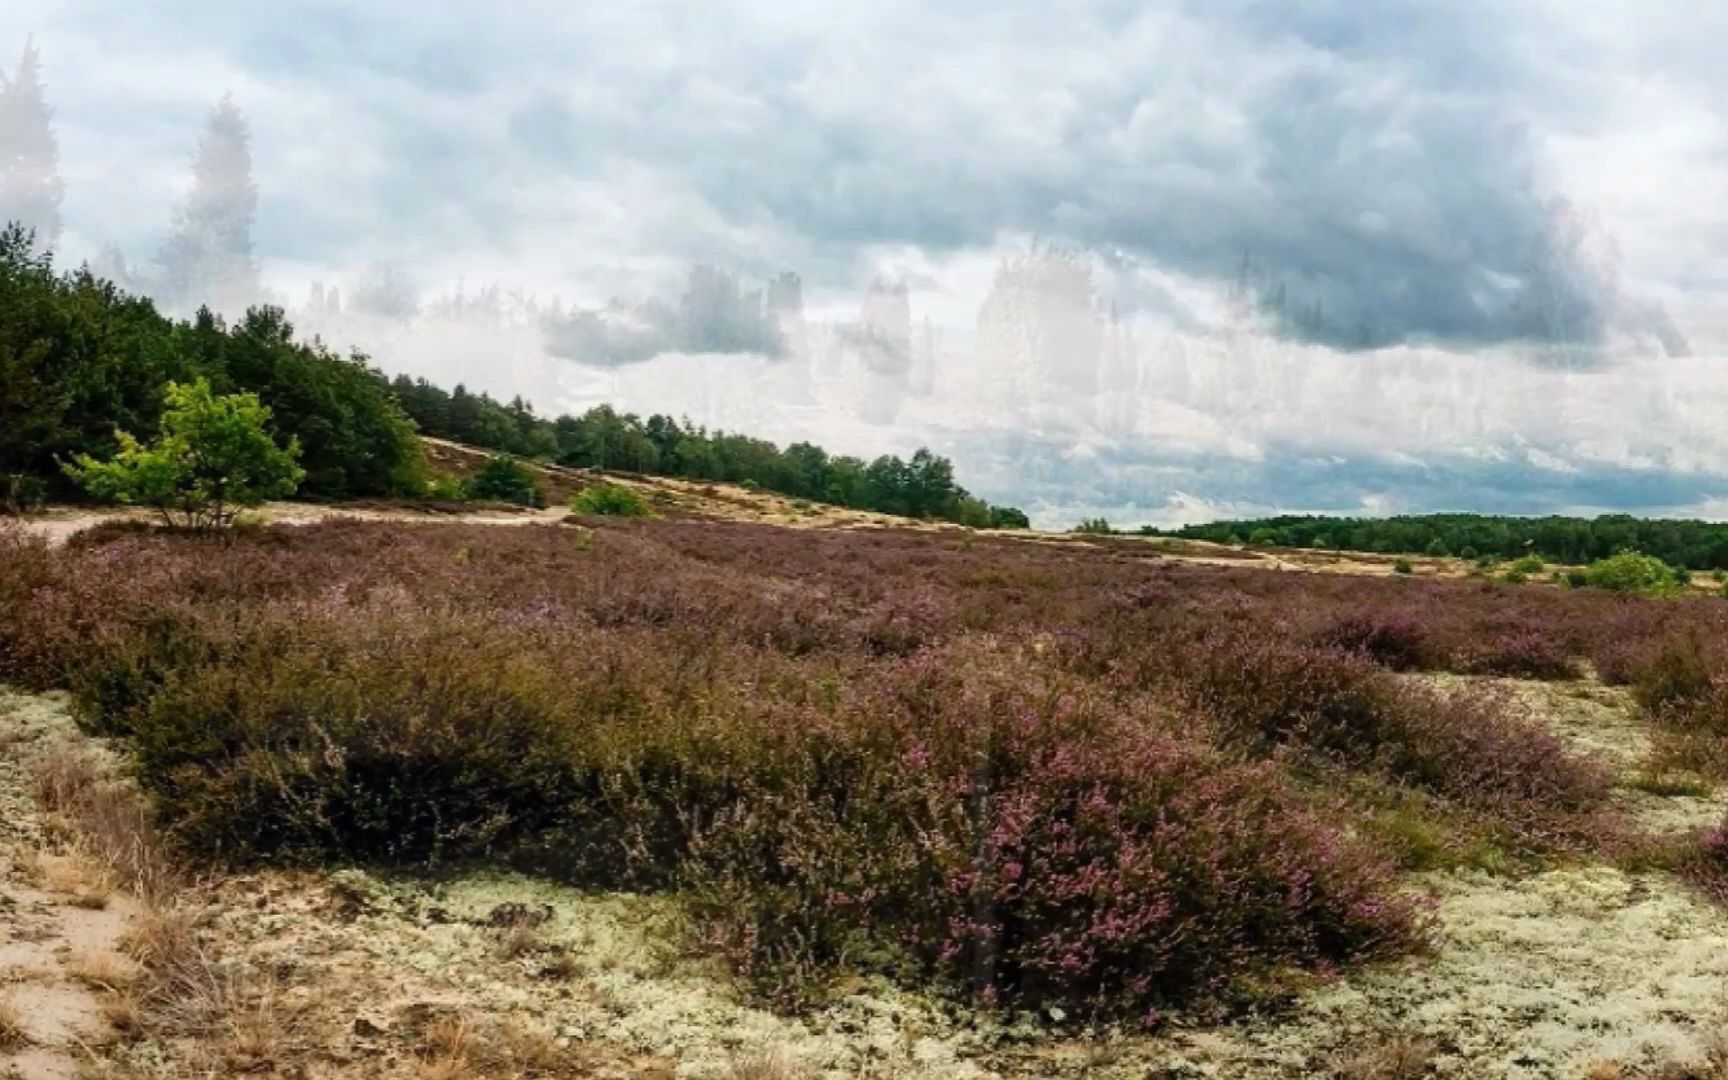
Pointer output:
638, 795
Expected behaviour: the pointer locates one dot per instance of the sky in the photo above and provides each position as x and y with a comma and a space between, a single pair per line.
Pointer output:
1162, 260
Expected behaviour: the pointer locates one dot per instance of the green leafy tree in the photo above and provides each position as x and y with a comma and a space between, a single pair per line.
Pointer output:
214, 456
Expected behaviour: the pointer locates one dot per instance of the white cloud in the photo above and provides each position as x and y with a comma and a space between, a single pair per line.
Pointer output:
1388, 170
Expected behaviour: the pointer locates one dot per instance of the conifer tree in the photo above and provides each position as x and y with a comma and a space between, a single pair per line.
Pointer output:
30, 184
207, 259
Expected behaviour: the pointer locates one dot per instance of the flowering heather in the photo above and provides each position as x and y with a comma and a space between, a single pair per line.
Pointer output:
1036, 773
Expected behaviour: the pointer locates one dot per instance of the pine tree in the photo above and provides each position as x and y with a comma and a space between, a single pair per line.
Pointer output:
30, 184
207, 258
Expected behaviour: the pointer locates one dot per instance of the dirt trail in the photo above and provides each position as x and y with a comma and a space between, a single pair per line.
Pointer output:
46, 935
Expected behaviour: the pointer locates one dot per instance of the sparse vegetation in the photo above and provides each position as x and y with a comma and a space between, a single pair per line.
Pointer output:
13, 1033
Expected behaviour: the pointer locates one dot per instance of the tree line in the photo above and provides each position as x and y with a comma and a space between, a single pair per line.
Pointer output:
1696, 545
82, 359
604, 438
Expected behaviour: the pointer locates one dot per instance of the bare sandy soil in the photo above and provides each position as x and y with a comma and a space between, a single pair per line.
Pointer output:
1573, 971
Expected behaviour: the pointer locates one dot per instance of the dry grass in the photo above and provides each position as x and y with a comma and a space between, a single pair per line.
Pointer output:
77, 878
102, 970
255, 1035
446, 1049
109, 819
62, 775
1397, 1056
162, 938
529, 1050
1711, 1064
766, 1065
519, 938
124, 1012
13, 1034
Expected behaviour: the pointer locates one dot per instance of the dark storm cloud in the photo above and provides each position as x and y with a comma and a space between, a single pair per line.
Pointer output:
1377, 167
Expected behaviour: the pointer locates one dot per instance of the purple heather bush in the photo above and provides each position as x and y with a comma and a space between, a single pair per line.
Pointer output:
1034, 774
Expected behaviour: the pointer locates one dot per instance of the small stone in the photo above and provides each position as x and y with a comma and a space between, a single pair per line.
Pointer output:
366, 1029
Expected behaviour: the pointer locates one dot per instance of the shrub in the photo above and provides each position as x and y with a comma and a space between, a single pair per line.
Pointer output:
1398, 640
1676, 674
1028, 843
504, 479
1521, 649
1630, 572
608, 500
1521, 570
21, 493
445, 489
371, 739
1094, 526
1707, 864
1402, 566
1268, 694
26, 565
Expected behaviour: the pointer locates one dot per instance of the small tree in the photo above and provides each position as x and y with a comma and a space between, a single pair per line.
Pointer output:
608, 500
504, 479
212, 458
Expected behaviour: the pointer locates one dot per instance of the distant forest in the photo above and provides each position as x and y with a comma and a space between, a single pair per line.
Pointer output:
1696, 545
80, 358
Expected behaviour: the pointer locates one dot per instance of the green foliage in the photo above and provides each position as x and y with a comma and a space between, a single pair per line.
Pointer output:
20, 494
1402, 566
80, 359
1696, 545
604, 438
1522, 569
1632, 572
445, 489
608, 500
1094, 526
504, 479
214, 455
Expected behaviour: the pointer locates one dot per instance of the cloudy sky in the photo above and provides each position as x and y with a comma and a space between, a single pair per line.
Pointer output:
1481, 237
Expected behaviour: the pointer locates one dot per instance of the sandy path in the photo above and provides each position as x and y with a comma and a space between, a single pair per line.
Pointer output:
58, 524
44, 935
